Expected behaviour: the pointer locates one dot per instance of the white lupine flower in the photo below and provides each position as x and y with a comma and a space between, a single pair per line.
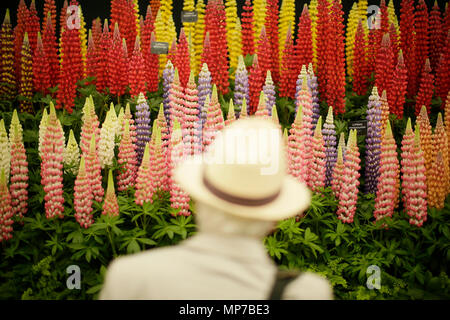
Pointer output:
5, 153
72, 155
120, 119
114, 119
15, 123
42, 128
106, 144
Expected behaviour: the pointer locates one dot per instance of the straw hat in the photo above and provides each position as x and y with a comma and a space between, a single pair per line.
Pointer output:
243, 173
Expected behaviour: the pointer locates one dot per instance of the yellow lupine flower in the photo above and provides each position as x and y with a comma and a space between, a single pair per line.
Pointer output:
313, 15
231, 17
392, 16
259, 17
352, 25
235, 47
188, 5
199, 29
286, 22
83, 40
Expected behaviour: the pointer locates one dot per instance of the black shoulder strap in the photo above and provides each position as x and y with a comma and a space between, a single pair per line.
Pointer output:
283, 278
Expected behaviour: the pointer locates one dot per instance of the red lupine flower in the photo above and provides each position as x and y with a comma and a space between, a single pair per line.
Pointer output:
179, 199
19, 33
443, 71
408, 43
102, 59
348, 196
248, 46
136, 75
50, 8
173, 51
94, 170
33, 26
324, 44
127, 159
6, 212
393, 36
7, 74
122, 12
360, 62
71, 68
399, 82
256, 82
206, 54
51, 49
264, 52
272, 12
389, 178
421, 28
426, 89
91, 58
115, 64
52, 166
147, 30
96, 31
154, 4
26, 76
385, 65
182, 59
41, 75
436, 35
303, 45
83, 197
152, 67
288, 75
63, 17
215, 19
110, 207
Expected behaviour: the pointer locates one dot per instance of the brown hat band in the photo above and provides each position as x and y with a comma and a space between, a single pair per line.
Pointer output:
238, 200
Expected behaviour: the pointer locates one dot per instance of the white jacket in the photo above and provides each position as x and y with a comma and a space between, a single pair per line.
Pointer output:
205, 267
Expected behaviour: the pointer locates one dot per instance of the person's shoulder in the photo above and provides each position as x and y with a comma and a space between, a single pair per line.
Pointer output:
309, 286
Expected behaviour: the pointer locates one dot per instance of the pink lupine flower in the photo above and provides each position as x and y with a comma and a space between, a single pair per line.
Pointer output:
296, 148
110, 207
317, 169
176, 99
349, 188
414, 188
158, 160
162, 123
214, 119
6, 211
191, 124
128, 116
231, 116
94, 171
179, 199
262, 111
83, 197
144, 180
52, 166
389, 179
127, 159
338, 173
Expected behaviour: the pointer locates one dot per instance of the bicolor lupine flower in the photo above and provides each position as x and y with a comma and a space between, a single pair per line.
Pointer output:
349, 187
389, 177
214, 120
384, 111
7, 72
342, 144
6, 212
231, 117
42, 128
373, 142
90, 126
5, 152
241, 86
26, 76
83, 197
158, 160
144, 191
52, 166
107, 141
191, 126
127, 159
262, 108
318, 164
179, 199
94, 171
313, 87
128, 116
437, 182
297, 160
244, 112
329, 137
110, 206
176, 97
72, 155
338, 174
204, 90
143, 129
269, 92
162, 124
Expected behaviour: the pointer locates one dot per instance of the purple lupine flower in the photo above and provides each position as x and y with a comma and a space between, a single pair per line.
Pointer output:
168, 74
143, 127
269, 92
329, 137
241, 87
313, 87
373, 142
204, 90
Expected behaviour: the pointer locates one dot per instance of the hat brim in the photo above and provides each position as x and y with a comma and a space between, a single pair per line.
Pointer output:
292, 200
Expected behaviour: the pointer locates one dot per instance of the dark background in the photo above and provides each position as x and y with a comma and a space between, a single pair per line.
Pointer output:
101, 8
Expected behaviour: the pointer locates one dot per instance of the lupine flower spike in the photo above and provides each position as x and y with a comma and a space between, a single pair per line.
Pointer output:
338, 174
241, 85
269, 92
5, 152
204, 90
373, 142
144, 179
83, 197
6, 212
93, 170
107, 141
317, 169
437, 183
329, 137
143, 129
110, 207
72, 155
127, 159
191, 123
231, 117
